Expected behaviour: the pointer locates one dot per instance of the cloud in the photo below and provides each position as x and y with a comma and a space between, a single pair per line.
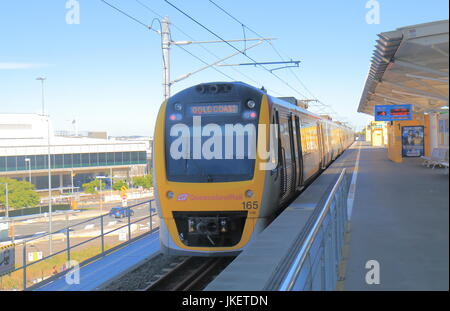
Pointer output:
15, 66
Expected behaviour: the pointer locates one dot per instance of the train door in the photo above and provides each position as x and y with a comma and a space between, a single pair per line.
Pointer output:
326, 143
294, 148
298, 141
321, 144
281, 171
286, 157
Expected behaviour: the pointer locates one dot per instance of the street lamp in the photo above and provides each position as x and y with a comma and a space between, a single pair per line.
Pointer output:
7, 203
111, 182
42, 79
28, 160
101, 201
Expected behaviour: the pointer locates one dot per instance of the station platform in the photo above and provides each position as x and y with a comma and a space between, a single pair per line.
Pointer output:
110, 266
260, 264
398, 215
400, 219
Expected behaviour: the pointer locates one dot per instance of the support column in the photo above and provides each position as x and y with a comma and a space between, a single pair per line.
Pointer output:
61, 180
433, 132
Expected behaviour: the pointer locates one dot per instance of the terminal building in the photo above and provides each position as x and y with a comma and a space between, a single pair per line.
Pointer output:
27, 139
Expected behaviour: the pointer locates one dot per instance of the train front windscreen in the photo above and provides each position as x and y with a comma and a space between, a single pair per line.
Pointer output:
211, 141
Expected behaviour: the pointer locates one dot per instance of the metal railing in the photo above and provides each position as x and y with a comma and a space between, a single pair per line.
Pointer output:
66, 231
316, 264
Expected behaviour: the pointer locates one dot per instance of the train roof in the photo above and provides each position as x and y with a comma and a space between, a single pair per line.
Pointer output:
280, 102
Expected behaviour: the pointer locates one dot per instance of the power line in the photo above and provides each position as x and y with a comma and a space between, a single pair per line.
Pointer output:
151, 28
204, 48
206, 63
129, 16
321, 105
231, 45
185, 50
268, 41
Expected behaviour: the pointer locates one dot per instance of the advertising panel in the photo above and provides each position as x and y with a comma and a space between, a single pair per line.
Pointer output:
412, 141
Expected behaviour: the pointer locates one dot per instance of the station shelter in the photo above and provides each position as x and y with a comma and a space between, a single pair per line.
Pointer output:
410, 67
376, 133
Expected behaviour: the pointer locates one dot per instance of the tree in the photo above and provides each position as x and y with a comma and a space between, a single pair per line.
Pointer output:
92, 186
119, 184
145, 181
20, 193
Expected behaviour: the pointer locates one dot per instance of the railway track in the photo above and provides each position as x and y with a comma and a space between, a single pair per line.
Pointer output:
189, 274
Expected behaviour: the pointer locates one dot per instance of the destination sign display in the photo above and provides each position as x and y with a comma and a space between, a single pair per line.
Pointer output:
393, 112
214, 109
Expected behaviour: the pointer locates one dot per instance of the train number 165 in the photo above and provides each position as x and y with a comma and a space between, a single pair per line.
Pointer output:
250, 205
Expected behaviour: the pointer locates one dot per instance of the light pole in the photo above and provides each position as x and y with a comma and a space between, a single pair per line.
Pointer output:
6, 197
28, 160
101, 202
42, 79
111, 181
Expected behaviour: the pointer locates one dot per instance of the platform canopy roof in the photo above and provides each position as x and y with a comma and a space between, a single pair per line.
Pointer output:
409, 66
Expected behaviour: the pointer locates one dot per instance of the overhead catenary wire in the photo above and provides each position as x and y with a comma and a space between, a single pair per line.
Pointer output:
232, 46
268, 41
322, 107
159, 32
129, 16
206, 49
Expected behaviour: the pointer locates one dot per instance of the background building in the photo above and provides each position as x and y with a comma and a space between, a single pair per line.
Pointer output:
75, 159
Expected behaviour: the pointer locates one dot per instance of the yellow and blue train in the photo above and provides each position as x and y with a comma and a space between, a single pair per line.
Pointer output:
214, 190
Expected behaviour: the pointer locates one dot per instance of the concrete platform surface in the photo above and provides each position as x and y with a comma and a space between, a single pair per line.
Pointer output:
105, 268
400, 219
258, 265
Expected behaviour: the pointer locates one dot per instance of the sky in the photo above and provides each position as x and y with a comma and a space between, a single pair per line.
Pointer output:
106, 70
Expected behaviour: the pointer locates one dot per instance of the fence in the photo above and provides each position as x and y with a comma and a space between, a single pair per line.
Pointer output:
35, 210
80, 242
316, 262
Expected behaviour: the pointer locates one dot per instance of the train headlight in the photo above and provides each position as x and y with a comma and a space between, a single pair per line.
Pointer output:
214, 88
178, 107
175, 117
223, 225
170, 194
191, 224
251, 104
200, 88
248, 193
249, 115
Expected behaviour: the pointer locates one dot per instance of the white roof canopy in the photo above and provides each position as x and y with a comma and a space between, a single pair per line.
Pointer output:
409, 66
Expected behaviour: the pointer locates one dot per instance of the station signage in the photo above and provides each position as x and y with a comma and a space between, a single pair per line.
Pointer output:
393, 112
